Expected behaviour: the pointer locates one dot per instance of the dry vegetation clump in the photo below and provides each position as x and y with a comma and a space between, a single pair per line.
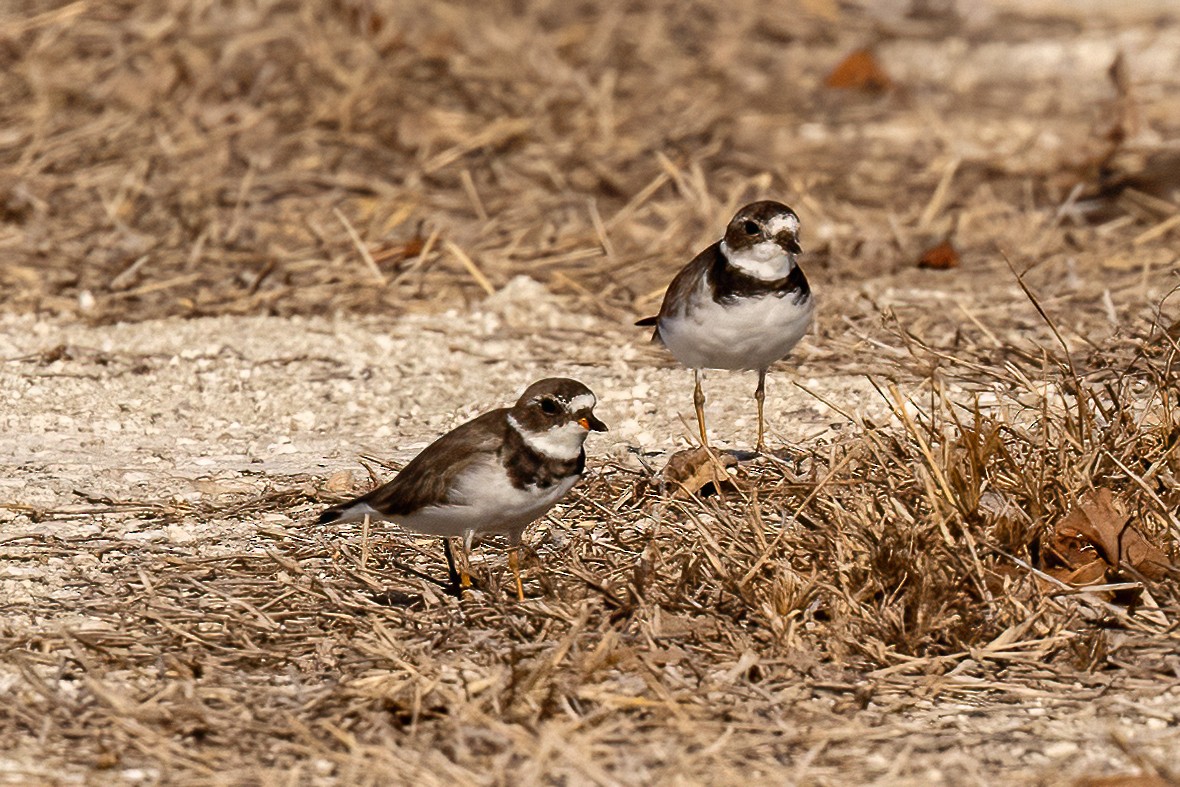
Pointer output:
935, 535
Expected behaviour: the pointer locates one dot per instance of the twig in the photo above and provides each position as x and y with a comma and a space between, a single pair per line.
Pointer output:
370, 263
470, 266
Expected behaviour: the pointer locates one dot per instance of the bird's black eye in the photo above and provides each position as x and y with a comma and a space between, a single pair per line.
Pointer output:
549, 407
750, 227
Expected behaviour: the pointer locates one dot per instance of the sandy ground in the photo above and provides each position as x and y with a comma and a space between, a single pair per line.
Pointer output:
177, 409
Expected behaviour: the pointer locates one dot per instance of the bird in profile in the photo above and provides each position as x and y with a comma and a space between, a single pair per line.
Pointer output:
497, 473
742, 303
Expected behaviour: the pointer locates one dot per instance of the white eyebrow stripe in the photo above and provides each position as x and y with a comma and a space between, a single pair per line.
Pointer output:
784, 221
582, 402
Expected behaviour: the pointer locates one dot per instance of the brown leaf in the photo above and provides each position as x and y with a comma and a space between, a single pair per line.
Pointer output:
1099, 520
940, 258
1123, 780
1092, 573
340, 482
859, 71
693, 469
403, 251
1070, 550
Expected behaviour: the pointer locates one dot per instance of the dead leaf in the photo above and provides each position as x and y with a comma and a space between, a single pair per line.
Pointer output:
693, 469
940, 258
859, 71
1092, 573
1103, 523
1123, 780
401, 251
1075, 561
340, 481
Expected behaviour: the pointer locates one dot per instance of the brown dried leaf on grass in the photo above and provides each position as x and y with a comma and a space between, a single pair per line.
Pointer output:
1097, 536
340, 482
859, 71
689, 472
1124, 780
940, 257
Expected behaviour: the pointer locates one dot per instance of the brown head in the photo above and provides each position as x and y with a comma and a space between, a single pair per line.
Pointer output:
760, 224
554, 415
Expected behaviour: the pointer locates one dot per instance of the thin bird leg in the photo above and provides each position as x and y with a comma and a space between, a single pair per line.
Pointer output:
365, 543
464, 569
514, 564
760, 396
698, 400
452, 572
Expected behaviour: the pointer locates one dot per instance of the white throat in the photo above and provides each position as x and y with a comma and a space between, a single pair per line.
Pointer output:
560, 442
766, 260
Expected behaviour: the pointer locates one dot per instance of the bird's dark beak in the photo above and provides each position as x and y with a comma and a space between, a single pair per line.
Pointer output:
589, 422
790, 243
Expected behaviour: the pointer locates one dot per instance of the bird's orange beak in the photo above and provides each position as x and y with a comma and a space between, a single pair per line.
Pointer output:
591, 424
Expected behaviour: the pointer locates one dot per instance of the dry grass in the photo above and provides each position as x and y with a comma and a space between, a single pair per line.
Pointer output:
202, 158
763, 633
206, 158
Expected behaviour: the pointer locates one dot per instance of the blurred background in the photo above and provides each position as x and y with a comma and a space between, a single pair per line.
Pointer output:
188, 158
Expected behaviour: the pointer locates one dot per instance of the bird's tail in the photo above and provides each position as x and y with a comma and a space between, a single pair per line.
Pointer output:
352, 511
330, 515
649, 321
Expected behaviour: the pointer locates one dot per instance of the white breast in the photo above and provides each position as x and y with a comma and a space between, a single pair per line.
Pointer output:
750, 333
485, 501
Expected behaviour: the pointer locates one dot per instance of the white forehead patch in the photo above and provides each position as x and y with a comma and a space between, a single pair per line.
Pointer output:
584, 401
783, 221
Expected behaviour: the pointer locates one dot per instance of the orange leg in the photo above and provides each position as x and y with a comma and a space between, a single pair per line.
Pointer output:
514, 565
698, 400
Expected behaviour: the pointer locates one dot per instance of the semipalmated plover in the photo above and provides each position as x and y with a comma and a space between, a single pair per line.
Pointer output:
742, 303
494, 474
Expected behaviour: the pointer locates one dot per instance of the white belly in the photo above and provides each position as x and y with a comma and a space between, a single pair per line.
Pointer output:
749, 334
484, 502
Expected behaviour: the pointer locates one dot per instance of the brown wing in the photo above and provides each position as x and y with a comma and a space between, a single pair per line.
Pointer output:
427, 478
680, 290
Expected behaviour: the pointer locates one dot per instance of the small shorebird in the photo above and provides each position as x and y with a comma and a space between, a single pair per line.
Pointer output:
495, 474
742, 303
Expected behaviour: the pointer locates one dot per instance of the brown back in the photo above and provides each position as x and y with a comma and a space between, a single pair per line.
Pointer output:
428, 476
